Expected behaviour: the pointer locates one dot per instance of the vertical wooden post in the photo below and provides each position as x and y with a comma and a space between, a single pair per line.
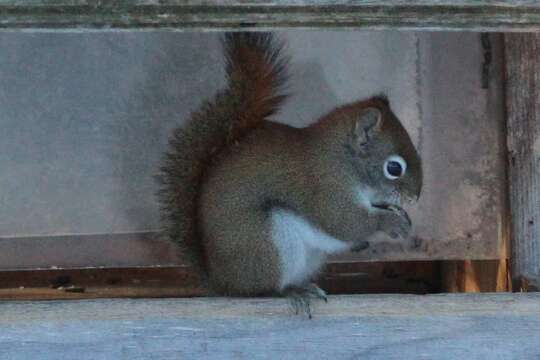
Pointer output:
522, 52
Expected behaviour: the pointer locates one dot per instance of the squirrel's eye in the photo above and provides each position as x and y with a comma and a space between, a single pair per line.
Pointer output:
394, 167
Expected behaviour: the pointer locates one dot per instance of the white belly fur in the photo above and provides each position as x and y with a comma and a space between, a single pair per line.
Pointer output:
302, 247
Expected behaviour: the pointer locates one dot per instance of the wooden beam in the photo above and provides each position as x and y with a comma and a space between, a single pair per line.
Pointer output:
522, 52
454, 326
338, 306
415, 277
475, 15
167, 281
149, 249
133, 249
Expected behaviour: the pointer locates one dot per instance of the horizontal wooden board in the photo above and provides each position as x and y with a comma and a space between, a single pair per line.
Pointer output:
173, 281
182, 281
86, 250
359, 327
477, 15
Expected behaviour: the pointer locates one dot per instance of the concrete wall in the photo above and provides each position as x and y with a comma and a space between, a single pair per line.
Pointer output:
84, 119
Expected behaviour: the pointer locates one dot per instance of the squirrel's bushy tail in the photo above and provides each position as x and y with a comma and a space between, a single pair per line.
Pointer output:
256, 75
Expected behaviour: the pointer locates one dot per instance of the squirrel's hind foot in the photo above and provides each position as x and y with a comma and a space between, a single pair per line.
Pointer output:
300, 298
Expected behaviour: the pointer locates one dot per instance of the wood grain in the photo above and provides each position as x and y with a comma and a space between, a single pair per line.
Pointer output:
477, 15
133, 249
419, 277
522, 52
347, 327
90, 283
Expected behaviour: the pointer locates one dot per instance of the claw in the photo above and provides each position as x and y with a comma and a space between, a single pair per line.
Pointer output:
300, 297
315, 291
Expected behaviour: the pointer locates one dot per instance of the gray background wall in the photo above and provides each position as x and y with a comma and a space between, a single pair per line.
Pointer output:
84, 119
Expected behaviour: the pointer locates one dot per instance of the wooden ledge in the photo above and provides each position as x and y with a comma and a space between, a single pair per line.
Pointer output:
457, 326
343, 306
338, 306
182, 281
476, 15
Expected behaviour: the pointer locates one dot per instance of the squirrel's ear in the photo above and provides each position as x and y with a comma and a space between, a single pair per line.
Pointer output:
366, 126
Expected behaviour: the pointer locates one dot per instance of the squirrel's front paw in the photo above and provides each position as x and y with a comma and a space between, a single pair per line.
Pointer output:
399, 227
395, 222
359, 246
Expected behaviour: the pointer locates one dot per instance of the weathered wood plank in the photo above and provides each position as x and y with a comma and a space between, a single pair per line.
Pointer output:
477, 15
523, 127
181, 281
358, 327
172, 281
132, 249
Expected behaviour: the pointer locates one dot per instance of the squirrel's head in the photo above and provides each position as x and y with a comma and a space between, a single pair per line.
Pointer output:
381, 155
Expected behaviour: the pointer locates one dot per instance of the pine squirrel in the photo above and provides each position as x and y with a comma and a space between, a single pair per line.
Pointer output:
259, 205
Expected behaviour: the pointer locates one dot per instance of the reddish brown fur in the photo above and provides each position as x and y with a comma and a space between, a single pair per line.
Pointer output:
256, 74
230, 168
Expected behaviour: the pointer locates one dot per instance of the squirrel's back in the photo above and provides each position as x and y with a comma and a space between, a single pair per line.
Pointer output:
256, 74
